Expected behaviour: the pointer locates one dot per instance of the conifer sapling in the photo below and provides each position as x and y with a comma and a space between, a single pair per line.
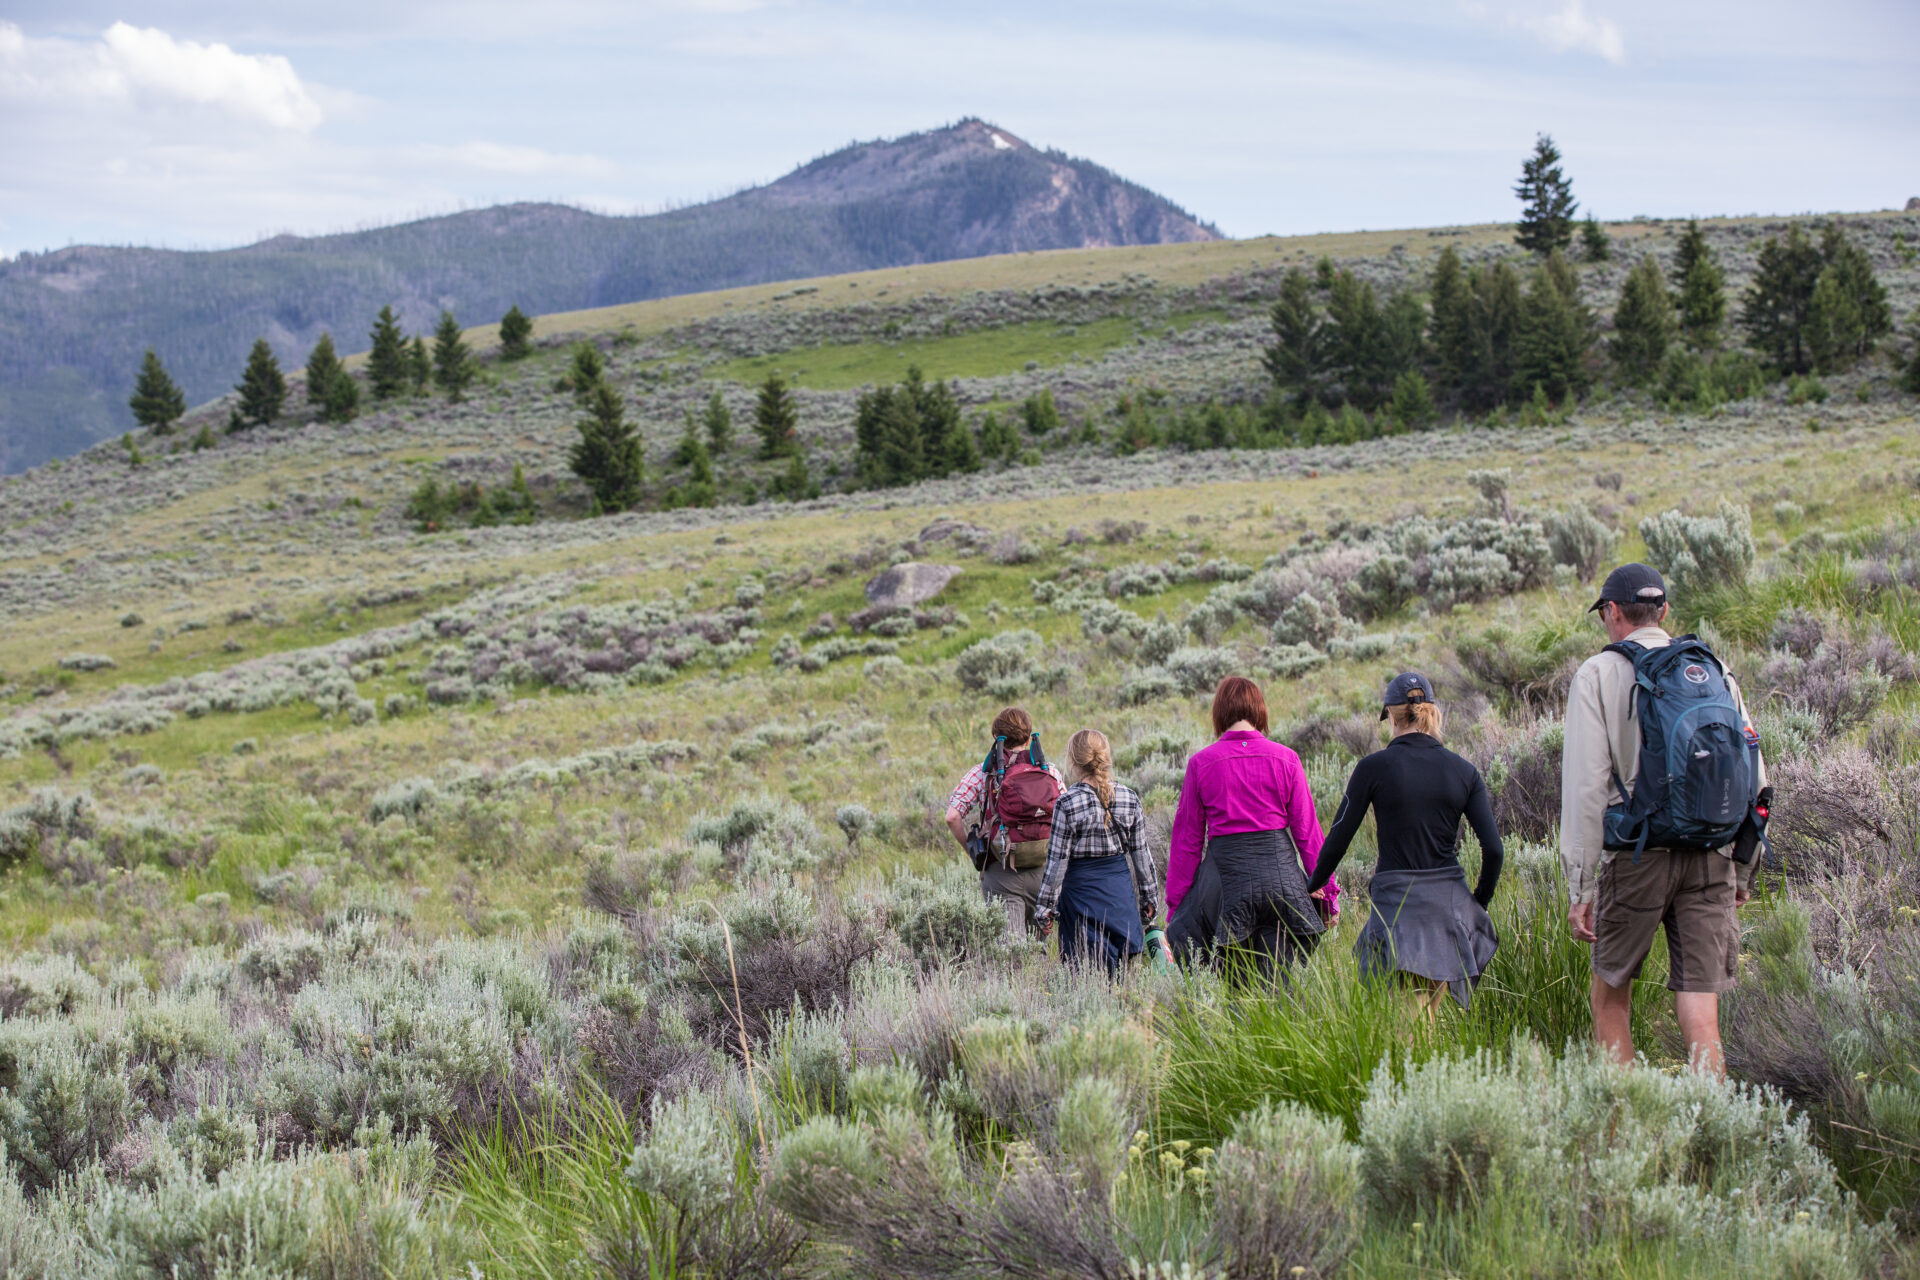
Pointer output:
515, 331
387, 369
1546, 200
775, 417
262, 388
156, 403
452, 360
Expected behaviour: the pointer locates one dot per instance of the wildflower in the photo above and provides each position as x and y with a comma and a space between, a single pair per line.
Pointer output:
1140, 1137
1170, 1161
1180, 1145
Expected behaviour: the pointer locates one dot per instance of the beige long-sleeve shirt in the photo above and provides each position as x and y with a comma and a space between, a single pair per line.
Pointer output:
1603, 739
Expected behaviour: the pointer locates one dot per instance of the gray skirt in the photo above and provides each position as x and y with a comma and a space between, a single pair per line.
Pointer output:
1426, 923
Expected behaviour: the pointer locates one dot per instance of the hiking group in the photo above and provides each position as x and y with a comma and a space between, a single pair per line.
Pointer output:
1664, 802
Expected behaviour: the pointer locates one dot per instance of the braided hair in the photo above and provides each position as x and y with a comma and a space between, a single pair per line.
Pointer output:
1092, 759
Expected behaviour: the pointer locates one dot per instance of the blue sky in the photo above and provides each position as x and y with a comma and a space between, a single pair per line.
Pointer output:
211, 124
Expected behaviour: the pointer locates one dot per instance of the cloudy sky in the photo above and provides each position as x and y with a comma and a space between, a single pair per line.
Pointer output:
206, 123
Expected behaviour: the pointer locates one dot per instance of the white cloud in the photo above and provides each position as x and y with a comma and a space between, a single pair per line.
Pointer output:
143, 66
520, 162
1573, 28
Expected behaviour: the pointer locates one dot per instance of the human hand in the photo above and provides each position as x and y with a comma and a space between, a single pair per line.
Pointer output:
1580, 921
1043, 926
1741, 897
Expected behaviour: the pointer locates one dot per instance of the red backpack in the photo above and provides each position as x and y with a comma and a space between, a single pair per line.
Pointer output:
1022, 797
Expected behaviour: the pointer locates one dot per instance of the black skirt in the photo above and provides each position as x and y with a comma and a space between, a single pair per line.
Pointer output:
1425, 922
1249, 891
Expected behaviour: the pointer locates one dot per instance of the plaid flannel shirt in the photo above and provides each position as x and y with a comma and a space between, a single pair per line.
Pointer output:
1080, 830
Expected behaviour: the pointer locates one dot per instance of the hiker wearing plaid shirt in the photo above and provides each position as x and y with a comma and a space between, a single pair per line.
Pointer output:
1099, 882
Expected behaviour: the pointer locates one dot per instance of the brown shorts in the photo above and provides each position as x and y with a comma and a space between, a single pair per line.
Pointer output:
1691, 895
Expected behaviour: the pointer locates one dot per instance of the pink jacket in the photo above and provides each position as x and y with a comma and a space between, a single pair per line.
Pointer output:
1243, 782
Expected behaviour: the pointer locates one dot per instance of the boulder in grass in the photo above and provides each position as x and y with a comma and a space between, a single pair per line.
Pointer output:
905, 585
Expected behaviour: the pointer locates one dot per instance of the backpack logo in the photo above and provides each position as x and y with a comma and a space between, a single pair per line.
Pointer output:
1696, 673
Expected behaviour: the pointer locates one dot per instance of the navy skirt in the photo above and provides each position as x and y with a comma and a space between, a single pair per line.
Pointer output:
1099, 913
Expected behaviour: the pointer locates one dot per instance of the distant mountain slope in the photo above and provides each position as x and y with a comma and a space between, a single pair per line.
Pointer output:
73, 323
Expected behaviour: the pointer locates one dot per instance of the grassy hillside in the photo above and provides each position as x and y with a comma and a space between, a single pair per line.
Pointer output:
391, 887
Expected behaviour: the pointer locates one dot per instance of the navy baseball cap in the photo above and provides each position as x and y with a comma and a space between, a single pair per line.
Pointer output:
1632, 584
1408, 686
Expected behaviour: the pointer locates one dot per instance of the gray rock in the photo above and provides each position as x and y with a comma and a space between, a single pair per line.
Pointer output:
906, 585
1913, 204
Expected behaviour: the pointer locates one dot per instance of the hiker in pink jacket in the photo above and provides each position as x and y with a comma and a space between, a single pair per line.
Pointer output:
1245, 839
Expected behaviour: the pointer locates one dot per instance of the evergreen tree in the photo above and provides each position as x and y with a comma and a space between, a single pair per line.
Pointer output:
775, 417
902, 450
1038, 412
1296, 361
1642, 322
343, 399
1702, 301
1355, 338
608, 454
157, 403
1776, 304
323, 366
587, 371
515, 330
387, 367
1412, 404
1450, 329
1595, 246
1555, 334
795, 484
1910, 374
1493, 325
688, 446
1848, 313
452, 360
419, 364
1546, 200
262, 388
719, 423
997, 437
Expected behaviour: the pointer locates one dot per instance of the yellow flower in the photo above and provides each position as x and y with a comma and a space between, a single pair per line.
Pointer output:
1204, 1153
1168, 1160
1140, 1137
1180, 1145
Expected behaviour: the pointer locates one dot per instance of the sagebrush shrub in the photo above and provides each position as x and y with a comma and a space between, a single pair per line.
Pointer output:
1699, 553
1286, 1193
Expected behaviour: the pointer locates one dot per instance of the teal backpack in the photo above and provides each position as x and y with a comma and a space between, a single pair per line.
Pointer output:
1698, 777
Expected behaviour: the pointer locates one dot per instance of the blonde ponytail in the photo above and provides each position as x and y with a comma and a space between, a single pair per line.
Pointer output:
1416, 717
1091, 759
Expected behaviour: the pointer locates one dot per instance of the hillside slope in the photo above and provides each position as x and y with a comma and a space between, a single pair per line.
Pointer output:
73, 323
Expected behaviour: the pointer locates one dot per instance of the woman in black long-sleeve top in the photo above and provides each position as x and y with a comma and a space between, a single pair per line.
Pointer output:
1423, 924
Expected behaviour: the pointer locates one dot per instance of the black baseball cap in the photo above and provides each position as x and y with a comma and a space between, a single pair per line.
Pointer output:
1408, 686
1632, 584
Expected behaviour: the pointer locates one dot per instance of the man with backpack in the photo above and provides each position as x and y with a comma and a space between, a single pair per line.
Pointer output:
1663, 801
1015, 789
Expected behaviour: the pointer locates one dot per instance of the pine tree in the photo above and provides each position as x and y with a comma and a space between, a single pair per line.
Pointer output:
419, 364
1642, 322
775, 417
1546, 200
587, 370
387, 367
1554, 335
1039, 414
262, 388
452, 360
1297, 359
795, 484
1494, 306
1910, 375
1595, 246
323, 366
1412, 404
1354, 340
608, 454
1702, 300
515, 330
719, 423
1848, 313
1450, 330
998, 438
343, 399
157, 403
1774, 309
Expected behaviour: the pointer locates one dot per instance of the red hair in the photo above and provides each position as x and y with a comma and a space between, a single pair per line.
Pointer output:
1237, 699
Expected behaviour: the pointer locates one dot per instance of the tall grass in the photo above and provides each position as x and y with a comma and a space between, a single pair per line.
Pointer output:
1319, 1039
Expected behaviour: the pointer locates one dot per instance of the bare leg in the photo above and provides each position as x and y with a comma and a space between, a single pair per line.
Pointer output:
1699, 1014
1613, 1019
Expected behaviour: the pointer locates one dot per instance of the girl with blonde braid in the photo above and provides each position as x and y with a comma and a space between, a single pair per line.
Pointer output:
1099, 882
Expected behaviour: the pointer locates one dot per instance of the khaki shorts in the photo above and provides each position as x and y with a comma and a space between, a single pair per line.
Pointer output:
1691, 896
1017, 891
